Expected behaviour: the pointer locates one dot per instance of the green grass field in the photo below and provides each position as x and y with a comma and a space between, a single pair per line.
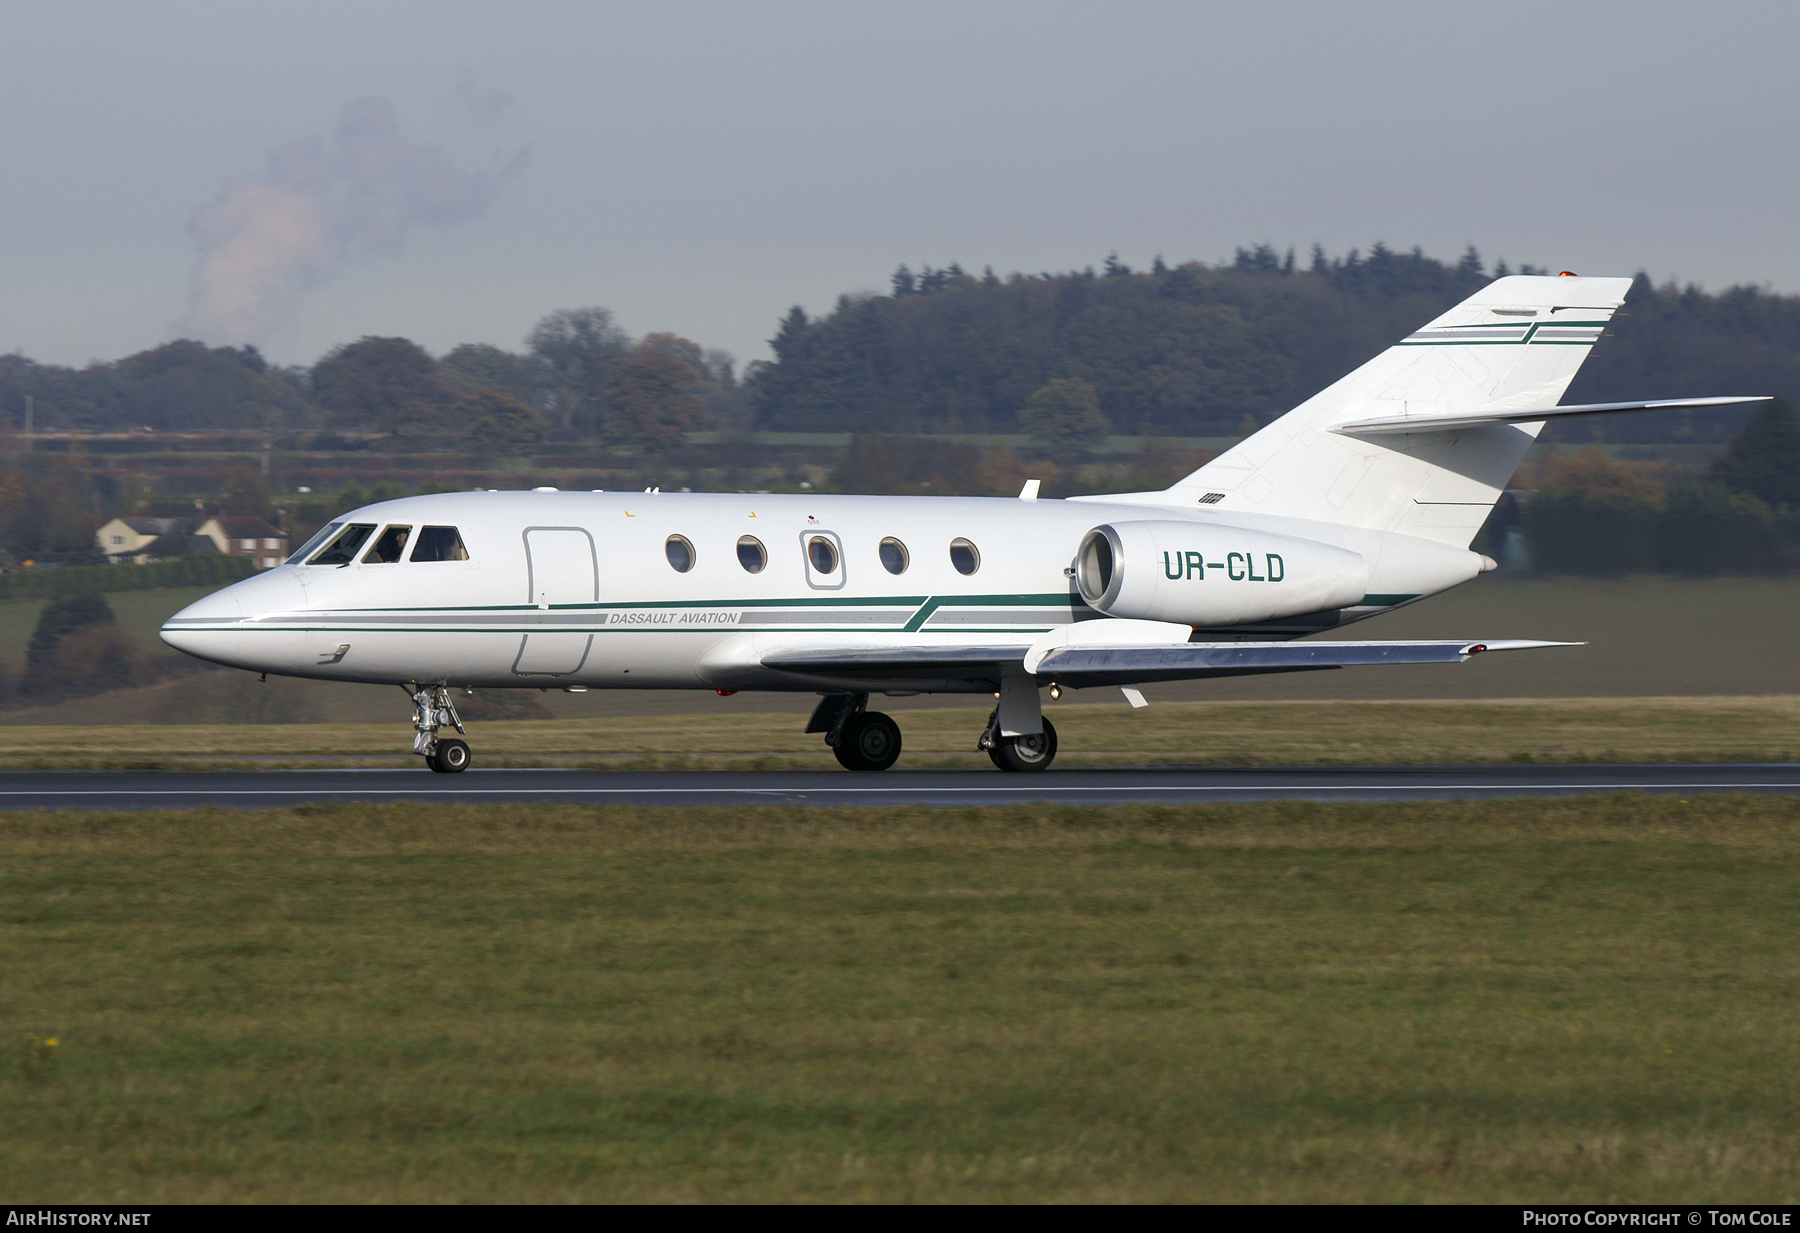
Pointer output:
1585, 1000
141, 613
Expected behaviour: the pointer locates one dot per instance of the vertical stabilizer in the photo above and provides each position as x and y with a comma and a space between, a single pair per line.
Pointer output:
1515, 344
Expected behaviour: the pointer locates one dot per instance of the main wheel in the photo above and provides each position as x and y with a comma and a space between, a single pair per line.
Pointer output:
870, 741
1026, 753
451, 756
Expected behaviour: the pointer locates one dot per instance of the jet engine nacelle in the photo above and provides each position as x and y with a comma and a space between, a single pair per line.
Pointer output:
1210, 575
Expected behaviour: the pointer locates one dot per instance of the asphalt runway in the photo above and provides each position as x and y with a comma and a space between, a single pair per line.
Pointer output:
262, 789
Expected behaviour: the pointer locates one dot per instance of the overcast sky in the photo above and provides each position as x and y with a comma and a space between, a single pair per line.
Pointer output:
300, 175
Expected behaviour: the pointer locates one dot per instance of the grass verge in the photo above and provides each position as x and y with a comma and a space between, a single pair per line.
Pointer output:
1751, 729
1570, 1000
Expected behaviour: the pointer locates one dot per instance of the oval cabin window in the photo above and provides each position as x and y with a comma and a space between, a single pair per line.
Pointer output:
751, 554
893, 556
965, 556
680, 553
823, 554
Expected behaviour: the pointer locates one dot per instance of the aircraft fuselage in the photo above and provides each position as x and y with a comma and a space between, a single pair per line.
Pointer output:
576, 589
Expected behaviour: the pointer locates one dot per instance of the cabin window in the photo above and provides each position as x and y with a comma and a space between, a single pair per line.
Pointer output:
680, 553
823, 554
342, 550
439, 544
751, 554
965, 556
894, 557
388, 546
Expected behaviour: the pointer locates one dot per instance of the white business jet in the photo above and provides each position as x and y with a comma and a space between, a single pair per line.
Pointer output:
1363, 498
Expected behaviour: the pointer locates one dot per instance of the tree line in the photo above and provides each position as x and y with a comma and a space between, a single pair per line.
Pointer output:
1185, 350
580, 375
1193, 350
1593, 514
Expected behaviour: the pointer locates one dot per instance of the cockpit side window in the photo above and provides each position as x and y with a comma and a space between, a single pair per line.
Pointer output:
342, 550
388, 546
320, 536
438, 544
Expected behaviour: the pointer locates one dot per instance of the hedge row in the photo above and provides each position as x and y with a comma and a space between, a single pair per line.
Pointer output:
200, 569
1693, 530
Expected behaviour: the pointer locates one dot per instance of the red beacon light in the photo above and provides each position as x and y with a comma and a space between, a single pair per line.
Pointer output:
1568, 274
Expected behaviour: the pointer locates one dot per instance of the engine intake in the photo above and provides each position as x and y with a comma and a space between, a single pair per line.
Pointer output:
1204, 574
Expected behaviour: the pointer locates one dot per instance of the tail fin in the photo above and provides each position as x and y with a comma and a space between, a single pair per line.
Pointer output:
1516, 343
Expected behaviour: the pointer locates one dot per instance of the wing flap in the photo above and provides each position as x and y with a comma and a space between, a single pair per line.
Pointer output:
898, 662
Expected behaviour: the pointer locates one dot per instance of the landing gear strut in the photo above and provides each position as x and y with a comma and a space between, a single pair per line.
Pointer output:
432, 709
863, 740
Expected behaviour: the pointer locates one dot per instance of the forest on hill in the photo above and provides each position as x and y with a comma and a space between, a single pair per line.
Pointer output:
580, 377
1197, 351
1185, 351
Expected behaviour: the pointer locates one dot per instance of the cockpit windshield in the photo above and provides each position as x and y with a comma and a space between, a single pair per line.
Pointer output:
320, 536
388, 547
342, 550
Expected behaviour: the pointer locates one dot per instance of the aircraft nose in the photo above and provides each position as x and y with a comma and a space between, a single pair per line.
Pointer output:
219, 627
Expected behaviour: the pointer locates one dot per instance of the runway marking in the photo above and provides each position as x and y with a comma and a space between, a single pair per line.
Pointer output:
804, 791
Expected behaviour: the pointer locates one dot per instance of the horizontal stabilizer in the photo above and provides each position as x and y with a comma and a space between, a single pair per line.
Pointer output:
1530, 415
1099, 664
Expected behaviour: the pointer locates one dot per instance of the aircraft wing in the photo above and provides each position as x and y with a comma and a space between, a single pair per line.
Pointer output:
908, 663
1084, 664
1468, 419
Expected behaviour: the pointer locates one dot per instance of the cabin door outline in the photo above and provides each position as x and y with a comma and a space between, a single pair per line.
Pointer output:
562, 570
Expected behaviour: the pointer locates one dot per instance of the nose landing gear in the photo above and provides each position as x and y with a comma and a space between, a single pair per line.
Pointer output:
432, 709
450, 757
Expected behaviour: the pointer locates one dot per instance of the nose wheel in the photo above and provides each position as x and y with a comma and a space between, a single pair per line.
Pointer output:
450, 757
432, 710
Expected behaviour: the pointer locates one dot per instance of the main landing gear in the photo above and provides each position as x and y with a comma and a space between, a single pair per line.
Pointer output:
432, 709
1017, 736
863, 740
1025, 752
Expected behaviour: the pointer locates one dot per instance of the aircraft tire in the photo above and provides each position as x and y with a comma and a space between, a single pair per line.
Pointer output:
1025, 753
452, 757
870, 741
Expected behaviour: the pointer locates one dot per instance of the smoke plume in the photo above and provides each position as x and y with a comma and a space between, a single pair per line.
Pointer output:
321, 207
